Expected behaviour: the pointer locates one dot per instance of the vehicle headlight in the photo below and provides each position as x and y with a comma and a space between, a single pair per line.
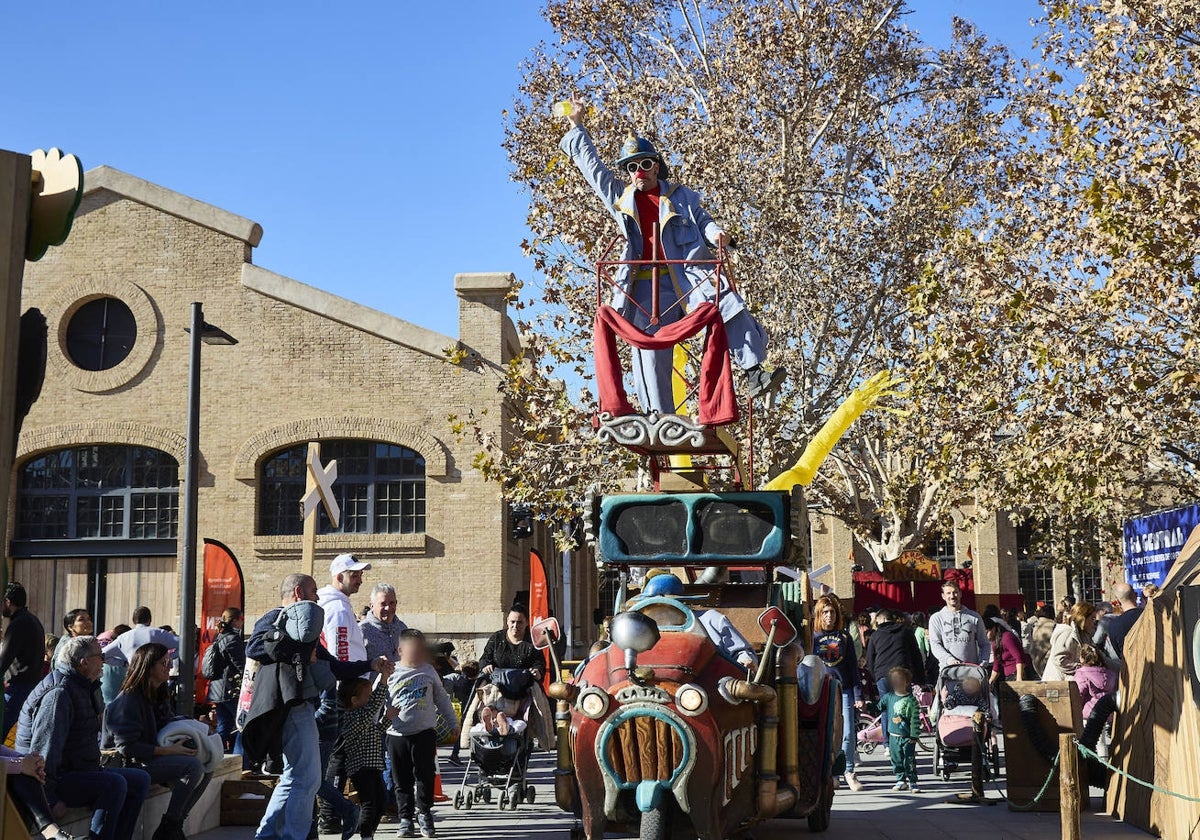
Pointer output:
593, 702
691, 699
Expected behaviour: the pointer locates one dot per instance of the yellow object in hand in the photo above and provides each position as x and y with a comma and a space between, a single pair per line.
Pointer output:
863, 397
563, 108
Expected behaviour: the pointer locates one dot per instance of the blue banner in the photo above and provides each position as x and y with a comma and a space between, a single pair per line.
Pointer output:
1152, 543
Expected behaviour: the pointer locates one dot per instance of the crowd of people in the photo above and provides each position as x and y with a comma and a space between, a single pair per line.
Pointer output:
881, 654
336, 697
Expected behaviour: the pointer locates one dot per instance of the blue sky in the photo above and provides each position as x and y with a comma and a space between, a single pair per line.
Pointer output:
364, 137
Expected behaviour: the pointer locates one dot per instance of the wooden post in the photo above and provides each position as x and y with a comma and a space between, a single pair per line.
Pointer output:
1069, 798
309, 543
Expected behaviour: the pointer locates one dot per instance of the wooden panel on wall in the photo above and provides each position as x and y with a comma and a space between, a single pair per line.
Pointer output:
122, 581
159, 590
72, 590
38, 578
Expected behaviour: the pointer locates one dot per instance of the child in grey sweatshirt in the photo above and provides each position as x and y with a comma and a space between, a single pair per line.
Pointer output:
418, 697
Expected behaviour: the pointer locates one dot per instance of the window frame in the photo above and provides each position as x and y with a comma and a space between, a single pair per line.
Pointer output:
362, 491
80, 484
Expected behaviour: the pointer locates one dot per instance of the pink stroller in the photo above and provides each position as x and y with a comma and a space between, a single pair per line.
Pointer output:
955, 726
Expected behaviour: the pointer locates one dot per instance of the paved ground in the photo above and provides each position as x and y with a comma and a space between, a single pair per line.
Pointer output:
874, 814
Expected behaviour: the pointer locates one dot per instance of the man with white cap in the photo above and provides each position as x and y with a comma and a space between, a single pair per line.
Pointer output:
344, 639
342, 635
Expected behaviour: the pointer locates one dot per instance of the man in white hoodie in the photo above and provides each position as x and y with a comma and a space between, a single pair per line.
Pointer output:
342, 636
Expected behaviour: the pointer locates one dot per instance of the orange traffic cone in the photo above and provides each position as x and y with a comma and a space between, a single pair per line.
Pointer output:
438, 796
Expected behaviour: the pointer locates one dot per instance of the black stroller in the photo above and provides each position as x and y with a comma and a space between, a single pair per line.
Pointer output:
496, 762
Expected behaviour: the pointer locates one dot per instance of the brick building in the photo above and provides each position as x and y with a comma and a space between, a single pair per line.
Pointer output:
93, 516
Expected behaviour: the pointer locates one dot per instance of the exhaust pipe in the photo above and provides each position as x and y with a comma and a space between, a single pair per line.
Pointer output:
564, 769
771, 800
789, 713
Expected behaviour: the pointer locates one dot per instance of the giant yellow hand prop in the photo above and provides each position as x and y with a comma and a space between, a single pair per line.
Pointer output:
865, 396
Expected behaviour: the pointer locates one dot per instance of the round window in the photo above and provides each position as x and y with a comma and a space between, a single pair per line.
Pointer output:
101, 334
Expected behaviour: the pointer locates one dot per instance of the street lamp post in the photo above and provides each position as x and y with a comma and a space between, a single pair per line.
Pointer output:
201, 332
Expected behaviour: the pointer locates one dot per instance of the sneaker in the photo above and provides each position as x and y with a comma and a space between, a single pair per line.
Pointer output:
350, 823
914, 789
762, 383
900, 786
426, 823
406, 828
852, 781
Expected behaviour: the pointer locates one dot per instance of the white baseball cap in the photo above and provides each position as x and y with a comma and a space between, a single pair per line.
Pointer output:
347, 563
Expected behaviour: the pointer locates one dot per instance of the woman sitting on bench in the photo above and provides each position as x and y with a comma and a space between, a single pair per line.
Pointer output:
132, 722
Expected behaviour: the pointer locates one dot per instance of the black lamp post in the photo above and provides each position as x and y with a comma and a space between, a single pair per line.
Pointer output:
208, 334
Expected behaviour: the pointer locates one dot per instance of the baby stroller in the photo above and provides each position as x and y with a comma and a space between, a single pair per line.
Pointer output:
954, 731
496, 762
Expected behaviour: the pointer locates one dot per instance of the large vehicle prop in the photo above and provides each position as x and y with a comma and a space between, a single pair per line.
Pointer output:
662, 730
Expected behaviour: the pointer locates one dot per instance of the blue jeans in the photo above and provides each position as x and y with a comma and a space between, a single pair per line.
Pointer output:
290, 809
227, 729
115, 797
185, 775
14, 699
849, 730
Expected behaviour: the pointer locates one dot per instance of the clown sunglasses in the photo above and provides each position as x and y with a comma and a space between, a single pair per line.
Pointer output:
645, 164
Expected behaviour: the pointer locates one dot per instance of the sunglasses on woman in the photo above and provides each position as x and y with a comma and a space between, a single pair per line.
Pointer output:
645, 164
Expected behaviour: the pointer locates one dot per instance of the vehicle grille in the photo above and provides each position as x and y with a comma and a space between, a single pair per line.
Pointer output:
645, 748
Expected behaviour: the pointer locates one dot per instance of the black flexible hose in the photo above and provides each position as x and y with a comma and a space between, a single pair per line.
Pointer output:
1030, 706
1097, 773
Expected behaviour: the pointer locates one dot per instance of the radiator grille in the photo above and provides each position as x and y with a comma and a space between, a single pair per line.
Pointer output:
643, 749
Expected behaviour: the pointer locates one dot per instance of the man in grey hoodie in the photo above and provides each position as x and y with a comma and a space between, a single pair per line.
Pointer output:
381, 628
418, 696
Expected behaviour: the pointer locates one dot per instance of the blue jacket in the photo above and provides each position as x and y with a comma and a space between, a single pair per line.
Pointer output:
25, 719
131, 725
66, 730
687, 228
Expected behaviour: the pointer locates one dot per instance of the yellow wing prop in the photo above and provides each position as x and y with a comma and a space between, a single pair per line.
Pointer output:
864, 396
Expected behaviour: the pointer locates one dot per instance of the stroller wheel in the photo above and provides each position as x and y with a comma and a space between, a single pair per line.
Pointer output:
469, 801
530, 794
458, 801
866, 747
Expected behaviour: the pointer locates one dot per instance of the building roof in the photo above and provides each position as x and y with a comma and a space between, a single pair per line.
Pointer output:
173, 203
293, 292
328, 305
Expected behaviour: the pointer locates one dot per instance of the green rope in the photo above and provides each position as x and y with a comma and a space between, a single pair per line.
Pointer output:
1092, 755
1040, 793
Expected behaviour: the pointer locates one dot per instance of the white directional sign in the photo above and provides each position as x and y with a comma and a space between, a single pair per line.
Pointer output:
322, 478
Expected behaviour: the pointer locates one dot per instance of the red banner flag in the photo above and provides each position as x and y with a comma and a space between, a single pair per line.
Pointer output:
223, 587
539, 603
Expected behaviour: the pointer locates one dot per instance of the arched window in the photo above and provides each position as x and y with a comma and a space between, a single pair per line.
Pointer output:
380, 488
99, 492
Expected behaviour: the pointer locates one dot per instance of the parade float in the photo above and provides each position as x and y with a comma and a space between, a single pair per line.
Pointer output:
664, 729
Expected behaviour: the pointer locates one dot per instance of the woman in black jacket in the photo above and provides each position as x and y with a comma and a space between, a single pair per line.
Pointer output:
893, 645
512, 648
228, 655
132, 722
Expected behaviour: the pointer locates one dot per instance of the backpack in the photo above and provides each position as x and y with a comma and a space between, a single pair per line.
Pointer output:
211, 666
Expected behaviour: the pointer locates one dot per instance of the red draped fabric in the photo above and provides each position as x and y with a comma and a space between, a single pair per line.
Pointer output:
717, 402
871, 590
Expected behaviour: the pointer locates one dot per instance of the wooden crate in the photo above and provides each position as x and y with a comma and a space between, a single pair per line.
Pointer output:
1024, 767
244, 801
